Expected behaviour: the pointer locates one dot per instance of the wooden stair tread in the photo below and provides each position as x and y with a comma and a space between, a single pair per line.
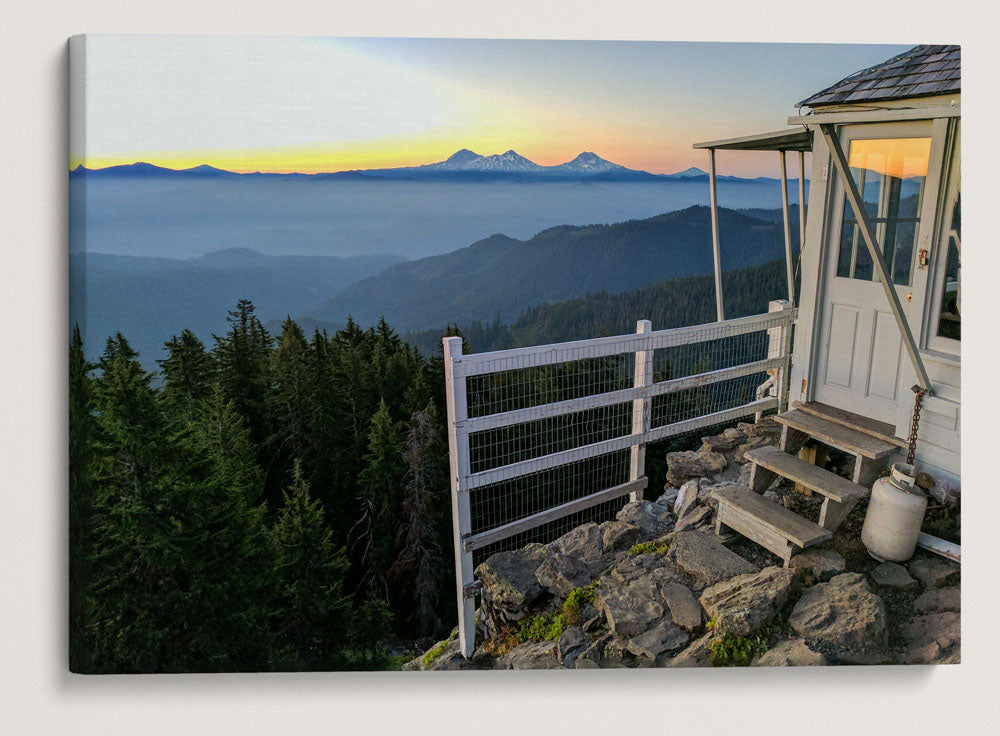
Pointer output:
805, 473
880, 430
780, 520
832, 433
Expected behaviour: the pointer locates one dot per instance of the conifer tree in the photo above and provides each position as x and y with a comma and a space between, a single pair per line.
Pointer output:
293, 399
188, 374
380, 487
418, 567
80, 502
309, 575
177, 585
244, 360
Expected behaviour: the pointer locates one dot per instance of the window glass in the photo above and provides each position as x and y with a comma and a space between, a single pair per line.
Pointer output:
889, 173
950, 319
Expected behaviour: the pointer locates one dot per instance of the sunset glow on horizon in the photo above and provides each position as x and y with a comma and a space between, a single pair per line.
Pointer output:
314, 105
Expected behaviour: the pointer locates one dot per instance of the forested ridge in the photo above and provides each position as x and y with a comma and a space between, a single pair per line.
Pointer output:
688, 300
270, 503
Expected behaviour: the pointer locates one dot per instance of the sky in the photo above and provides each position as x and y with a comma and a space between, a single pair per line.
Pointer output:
327, 104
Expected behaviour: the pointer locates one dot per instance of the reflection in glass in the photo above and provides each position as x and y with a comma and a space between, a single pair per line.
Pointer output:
889, 173
950, 319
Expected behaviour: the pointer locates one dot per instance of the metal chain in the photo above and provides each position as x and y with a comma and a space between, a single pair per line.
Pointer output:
914, 424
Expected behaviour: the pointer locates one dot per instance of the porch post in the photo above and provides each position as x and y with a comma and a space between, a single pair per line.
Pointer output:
786, 221
802, 202
868, 232
720, 312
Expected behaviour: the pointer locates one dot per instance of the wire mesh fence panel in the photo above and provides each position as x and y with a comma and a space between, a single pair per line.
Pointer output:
546, 438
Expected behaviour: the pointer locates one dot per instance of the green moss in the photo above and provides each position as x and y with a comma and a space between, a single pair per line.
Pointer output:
646, 548
740, 651
575, 601
542, 627
438, 649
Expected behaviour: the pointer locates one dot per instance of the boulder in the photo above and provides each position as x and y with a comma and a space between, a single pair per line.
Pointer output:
701, 516
542, 655
684, 465
702, 556
722, 442
619, 536
697, 654
653, 519
590, 658
938, 600
817, 565
584, 543
891, 575
663, 637
790, 653
616, 653
842, 618
746, 602
683, 606
630, 608
686, 499
933, 638
572, 644
561, 574
509, 586
934, 572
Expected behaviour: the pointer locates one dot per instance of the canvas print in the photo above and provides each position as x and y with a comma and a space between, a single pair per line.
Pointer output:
424, 354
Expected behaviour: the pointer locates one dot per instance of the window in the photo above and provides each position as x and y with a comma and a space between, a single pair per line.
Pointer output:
889, 173
950, 318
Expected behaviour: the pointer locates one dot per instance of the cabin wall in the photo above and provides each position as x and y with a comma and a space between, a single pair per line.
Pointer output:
938, 446
811, 269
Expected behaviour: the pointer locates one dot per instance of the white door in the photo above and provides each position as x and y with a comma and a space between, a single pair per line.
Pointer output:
861, 357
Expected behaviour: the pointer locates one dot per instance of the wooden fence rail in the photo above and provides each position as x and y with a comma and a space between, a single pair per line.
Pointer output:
776, 361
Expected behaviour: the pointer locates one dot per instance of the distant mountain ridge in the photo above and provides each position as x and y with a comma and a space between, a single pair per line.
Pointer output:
500, 276
463, 165
149, 299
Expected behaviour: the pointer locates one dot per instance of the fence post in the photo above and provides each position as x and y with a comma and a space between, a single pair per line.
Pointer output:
461, 521
640, 408
779, 345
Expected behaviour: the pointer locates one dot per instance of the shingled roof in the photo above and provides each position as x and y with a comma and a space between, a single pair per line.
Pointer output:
923, 70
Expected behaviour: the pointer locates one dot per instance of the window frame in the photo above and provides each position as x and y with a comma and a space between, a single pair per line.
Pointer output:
939, 253
880, 219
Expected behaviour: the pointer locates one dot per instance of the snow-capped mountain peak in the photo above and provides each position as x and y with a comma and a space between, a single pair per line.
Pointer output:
590, 163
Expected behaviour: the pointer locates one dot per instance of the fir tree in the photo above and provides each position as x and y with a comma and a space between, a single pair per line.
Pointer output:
244, 360
419, 565
80, 503
188, 373
380, 486
309, 574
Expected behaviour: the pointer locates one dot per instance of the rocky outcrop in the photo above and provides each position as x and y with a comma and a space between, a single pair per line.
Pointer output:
744, 603
703, 557
790, 653
891, 575
541, 655
843, 618
651, 605
684, 465
510, 586
817, 565
939, 600
934, 572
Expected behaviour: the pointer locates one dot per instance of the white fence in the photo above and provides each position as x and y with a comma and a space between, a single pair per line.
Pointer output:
544, 438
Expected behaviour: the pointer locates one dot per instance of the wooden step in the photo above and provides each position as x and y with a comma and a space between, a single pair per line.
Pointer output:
812, 477
837, 435
880, 430
768, 524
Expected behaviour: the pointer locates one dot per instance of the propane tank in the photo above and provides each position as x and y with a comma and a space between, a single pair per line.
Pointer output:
895, 513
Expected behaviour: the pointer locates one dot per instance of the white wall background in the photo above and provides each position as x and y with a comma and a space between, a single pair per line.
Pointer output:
37, 695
